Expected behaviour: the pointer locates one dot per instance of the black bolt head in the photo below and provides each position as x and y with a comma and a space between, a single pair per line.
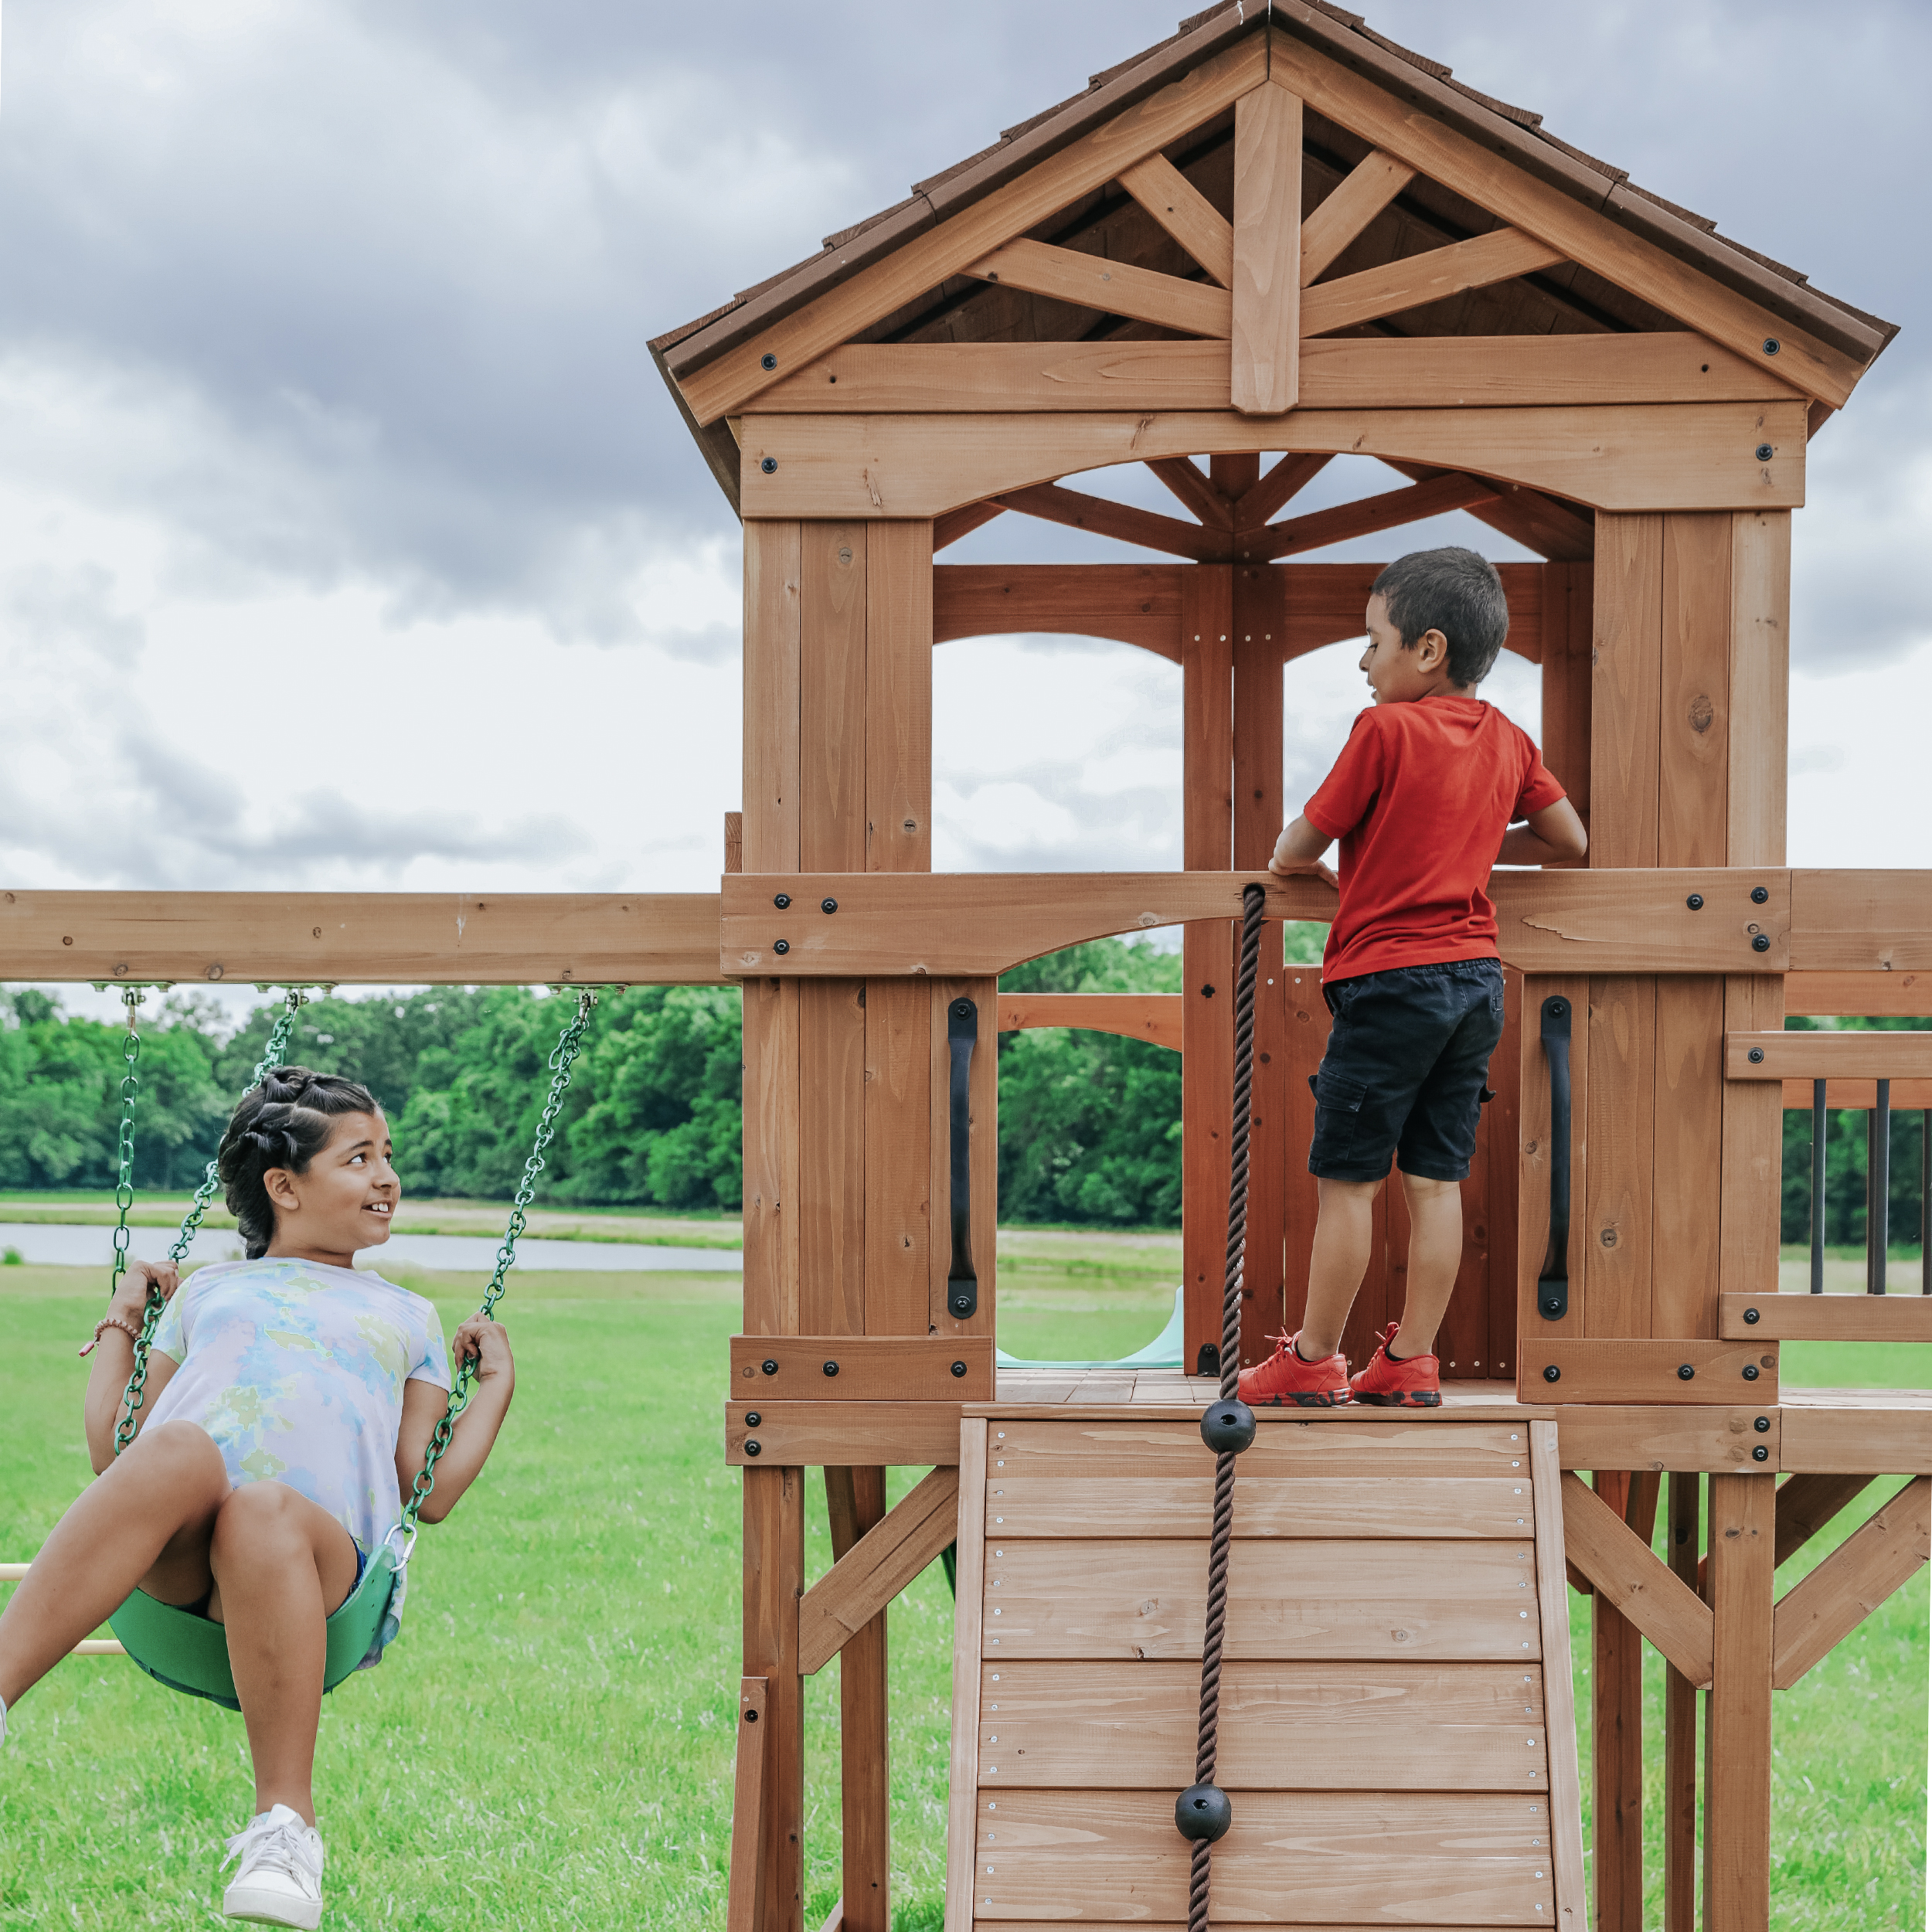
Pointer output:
1765, 452
1757, 1056
961, 1305
1685, 1372
781, 900
752, 1419
1760, 1454
1203, 1811
1771, 345
752, 1448
1696, 901
832, 1368
769, 361
961, 1009
751, 1717
1227, 1427
1750, 1318
1558, 1007
769, 465
1552, 1373
781, 945
1763, 1425
1762, 944
1759, 895
771, 1367
959, 1369
828, 905
1750, 1371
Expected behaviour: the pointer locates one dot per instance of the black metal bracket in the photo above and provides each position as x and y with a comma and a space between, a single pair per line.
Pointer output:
962, 1284
1552, 1284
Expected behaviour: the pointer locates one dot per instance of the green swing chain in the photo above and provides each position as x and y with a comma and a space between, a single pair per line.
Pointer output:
560, 1062
273, 1056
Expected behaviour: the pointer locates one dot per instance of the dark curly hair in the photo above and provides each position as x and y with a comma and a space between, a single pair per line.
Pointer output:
284, 1122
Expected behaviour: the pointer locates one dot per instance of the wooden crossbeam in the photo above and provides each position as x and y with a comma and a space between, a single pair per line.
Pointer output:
1430, 277
1386, 512
1620, 1565
1861, 1095
877, 1568
1873, 995
1289, 475
1806, 1504
1361, 195
1820, 1612
1540, 208
1187, 214
1136, 603
956, 524
1057, 504
1823, 1056
1266, 329
1149, 1016
1198, 491
1115, 288
1825, 1317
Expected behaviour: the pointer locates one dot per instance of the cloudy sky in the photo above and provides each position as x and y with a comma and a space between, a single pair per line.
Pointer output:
348, 538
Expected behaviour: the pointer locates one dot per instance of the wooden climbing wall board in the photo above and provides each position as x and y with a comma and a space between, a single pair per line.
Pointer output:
1396, 1731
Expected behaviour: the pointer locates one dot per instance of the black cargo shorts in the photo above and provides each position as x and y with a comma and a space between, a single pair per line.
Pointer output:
1404, 1069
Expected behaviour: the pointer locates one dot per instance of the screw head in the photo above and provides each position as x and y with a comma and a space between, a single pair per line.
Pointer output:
959, 1370
1759, 895
781, 900
769, 361
752, 1448
752, 1419
961, 1009
1750, 1371
1760, 1454
1771, 345
1750, 1315
1762, 944
832, 1368
961, 1305
1685, 1372
770, 465
1552, 1373
828, 905
1765, 452
1763, 1425
1757, 1057
1696, 901
781, 945
1558, 1007
771, 1367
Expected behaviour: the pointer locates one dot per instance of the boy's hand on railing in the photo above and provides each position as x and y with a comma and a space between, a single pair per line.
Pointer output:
1300, 867
1299, 849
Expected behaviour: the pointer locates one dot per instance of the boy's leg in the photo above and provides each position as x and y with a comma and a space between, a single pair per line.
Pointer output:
147, 1520
282, 1564
1435, 1257
1343, 1235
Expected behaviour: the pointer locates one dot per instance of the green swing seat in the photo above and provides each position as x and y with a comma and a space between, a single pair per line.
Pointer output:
189, 1653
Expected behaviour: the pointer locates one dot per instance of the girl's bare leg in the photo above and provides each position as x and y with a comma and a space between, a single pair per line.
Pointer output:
147, 1520
281, 1565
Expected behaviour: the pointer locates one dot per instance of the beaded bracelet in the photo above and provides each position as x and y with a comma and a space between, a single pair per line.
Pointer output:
113, 1321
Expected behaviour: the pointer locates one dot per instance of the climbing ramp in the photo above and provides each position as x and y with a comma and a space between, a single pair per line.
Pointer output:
1397, 1730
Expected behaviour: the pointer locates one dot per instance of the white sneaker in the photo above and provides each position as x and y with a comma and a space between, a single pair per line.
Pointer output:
280, 1878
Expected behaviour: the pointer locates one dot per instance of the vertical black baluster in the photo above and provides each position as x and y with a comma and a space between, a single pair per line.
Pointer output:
1817, 1187
1925, 1200
1878, 1215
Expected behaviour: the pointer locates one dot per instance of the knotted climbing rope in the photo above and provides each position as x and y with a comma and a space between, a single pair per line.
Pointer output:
1202, 1812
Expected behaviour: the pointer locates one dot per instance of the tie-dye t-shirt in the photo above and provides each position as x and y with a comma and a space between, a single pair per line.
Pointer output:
296, 1370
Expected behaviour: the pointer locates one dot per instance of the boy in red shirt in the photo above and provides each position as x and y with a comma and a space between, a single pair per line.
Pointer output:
1423, 799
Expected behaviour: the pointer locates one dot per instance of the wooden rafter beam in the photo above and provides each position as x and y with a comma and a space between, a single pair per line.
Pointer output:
1416, 280
1114, 288
1555, 530
1057, 504
1288, 476
1574, 232
1387, 511
1187, 214
1185, 478
956, 524
876, 1568
1634, 1581
1818, 1614
1267, 333
1362, 194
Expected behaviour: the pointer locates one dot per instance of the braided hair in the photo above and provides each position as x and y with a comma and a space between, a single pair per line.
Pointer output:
285, 1122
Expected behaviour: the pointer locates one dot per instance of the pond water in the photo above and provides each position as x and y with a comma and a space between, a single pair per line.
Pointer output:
58, 1244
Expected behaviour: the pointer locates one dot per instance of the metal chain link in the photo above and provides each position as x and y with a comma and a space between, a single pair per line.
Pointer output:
560, 1062
124, 1185
135, 1393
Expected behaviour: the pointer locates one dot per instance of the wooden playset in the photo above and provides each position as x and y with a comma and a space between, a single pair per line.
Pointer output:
1275, 235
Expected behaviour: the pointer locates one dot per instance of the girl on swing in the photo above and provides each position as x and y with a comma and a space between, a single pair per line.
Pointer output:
289, 1401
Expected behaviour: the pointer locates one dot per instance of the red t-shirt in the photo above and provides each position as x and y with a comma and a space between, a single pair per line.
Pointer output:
1420, 798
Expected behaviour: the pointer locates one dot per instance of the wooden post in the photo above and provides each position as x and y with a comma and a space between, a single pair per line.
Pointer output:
1207, 1068
1737, 1792
1268, 252
774, 1576
1680, 1725
855, 1502
1617, 1812
747, 1806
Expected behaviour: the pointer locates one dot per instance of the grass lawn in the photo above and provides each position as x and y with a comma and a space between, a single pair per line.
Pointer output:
549, 1743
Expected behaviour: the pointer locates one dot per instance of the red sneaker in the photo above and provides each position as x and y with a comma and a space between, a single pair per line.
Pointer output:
1285, 1381
1414, 1382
